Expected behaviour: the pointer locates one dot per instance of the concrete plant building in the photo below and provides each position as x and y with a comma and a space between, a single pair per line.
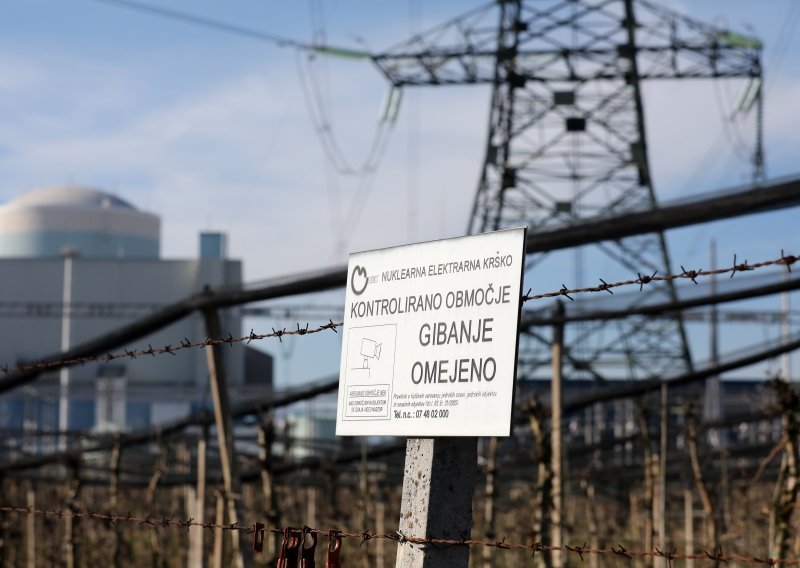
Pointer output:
99, 256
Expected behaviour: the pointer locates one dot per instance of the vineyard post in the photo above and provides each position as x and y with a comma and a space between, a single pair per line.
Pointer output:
30, 526
688, 525
196, 537
556, 407
222, 418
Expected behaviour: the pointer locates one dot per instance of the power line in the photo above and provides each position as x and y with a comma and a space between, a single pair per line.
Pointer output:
316, 93
318, 110
188, 18
320, 121
317, 105
784, 40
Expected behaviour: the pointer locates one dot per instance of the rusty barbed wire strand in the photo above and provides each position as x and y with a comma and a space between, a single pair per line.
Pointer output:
170, 349
173, 521
642, 281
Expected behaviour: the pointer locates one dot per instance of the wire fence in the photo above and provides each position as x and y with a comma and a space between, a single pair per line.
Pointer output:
641, 280
258, 529
170, 349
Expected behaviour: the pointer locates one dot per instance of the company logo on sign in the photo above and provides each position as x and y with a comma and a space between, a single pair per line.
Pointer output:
358, 280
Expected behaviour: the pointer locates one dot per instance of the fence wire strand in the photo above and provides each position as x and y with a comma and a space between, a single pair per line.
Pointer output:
175, 522
170, 349
642, 281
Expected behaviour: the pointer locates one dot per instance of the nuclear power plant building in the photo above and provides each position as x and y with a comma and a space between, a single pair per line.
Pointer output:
77, 263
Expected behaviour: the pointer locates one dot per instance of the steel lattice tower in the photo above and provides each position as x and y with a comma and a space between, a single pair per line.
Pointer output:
567, 137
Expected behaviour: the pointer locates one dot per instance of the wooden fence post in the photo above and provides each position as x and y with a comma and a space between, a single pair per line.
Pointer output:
222, 417
150, 498
591, 519
30, 526
71, 543
688, 525
197, 534
266, 437
649, 482
541, 508
488, 504
380, 525
788, 486
661, 507
556, 438
114, 465
219, 534
712, 539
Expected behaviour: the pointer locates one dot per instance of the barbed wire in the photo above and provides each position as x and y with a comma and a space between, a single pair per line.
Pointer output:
174, 521
170, 349
642, 281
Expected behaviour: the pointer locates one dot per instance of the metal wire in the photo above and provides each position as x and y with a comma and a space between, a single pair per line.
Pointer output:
644, 280
173, 521
169, 349
786, 260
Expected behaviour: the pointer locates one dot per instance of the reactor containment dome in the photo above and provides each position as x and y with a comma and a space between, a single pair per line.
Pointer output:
85, 221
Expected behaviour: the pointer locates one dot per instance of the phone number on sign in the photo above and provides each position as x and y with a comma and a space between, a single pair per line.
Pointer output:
434, 413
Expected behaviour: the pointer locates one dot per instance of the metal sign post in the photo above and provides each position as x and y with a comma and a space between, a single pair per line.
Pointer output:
429, 351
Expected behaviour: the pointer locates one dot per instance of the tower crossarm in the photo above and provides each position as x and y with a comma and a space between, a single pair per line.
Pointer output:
573, 40
567, 140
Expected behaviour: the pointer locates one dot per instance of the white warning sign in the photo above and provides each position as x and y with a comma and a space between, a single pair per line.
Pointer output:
430, 338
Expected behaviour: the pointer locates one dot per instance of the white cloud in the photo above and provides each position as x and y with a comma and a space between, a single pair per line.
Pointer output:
242, 157
239, 154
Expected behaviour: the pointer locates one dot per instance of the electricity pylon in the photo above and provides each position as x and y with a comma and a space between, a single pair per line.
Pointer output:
567, 137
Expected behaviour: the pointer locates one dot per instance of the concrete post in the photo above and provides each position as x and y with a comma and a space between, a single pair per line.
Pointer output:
438, 485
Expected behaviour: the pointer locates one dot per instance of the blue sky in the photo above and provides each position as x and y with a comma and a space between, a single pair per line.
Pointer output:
211, 131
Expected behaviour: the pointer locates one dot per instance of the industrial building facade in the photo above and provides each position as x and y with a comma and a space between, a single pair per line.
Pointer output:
77, 263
